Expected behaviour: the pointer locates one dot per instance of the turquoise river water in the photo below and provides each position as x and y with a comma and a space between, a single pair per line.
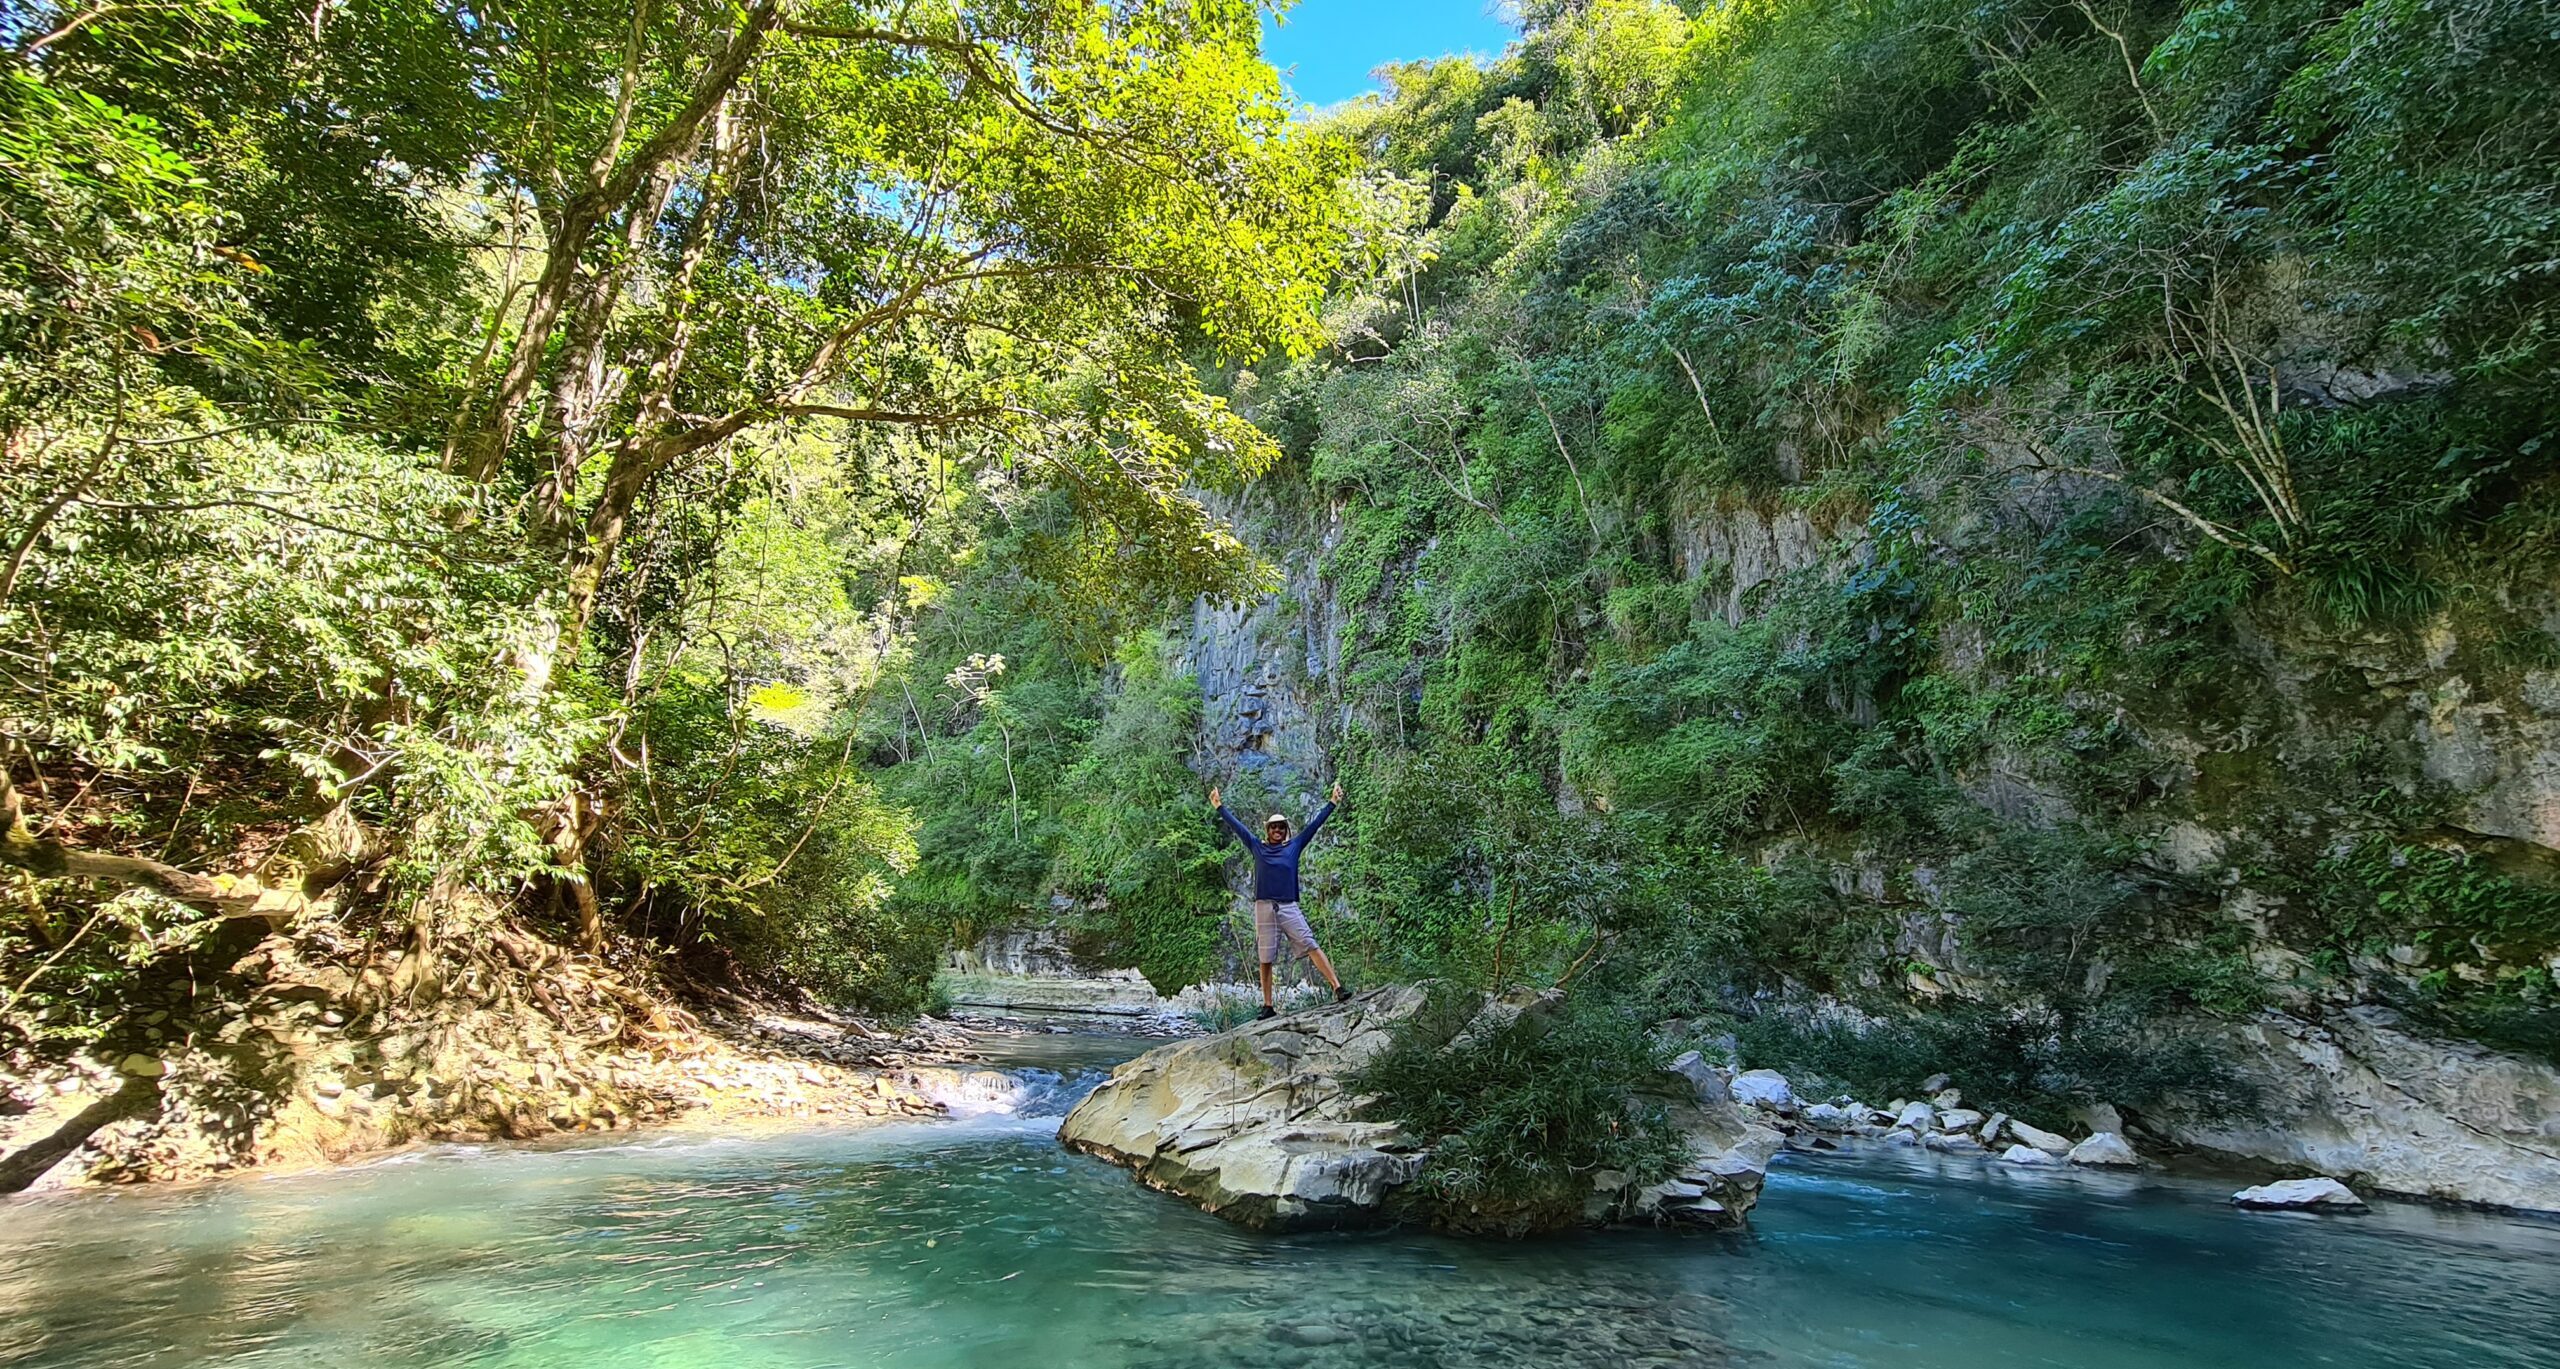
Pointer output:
978, 1242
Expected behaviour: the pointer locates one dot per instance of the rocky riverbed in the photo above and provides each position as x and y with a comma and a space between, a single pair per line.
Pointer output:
292, 1060
1941, 1123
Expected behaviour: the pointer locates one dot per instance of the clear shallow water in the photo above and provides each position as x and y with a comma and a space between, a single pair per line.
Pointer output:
977, 1242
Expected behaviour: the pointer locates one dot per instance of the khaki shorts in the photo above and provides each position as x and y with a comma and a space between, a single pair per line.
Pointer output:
1273, 920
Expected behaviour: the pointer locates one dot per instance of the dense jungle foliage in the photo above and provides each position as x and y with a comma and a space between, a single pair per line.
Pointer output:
1907, 532
477, 461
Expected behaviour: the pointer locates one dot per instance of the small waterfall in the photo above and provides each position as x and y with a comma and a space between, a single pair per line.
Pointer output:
986, 1091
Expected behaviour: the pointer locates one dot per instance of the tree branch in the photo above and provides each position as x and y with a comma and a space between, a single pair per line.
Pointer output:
223, 897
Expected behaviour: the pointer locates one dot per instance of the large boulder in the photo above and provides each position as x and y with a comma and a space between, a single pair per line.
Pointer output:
1826, 1117
1256, 1125
1709, 1082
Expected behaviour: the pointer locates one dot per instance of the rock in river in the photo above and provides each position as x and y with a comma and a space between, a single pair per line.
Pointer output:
1826, 1117
2105, 1149
2316, 1195
2041, 1139
1257, 1126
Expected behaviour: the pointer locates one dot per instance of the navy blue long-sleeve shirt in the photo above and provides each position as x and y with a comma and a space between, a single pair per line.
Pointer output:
1275, 868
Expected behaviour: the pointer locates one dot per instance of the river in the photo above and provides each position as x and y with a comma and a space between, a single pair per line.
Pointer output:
976, 1241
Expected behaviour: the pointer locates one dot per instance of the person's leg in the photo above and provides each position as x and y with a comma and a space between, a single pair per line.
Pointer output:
1302, 939
1324, 967
1266, 941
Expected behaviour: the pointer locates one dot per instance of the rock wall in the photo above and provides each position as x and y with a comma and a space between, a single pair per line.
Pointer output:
1266, 667
2356, 1095
2353, 1092
1035, 952
1034, 968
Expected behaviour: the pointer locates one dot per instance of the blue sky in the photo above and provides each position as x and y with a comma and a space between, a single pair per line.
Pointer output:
1335, 44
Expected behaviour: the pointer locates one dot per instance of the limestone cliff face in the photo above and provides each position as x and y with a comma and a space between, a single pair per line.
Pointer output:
2489, 736
2356, 1094
1267, 667
2353, 1089
1037, 968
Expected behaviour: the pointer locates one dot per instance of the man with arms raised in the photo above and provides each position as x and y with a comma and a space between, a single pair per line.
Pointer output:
1276, 913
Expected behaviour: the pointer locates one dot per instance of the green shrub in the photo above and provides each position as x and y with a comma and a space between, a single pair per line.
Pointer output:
2484, 932
2027, 1064
1134, 833
1522, 1116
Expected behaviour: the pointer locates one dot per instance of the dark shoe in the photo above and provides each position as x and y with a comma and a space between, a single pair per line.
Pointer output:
1268, 1012
1341, 993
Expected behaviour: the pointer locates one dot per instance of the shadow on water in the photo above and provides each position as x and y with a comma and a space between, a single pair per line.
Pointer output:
976, 1241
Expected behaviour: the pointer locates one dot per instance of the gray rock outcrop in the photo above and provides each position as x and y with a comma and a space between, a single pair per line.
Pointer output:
1256, 1125
2357, 1093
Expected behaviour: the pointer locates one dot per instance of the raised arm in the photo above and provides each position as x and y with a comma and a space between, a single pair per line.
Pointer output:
1315, 822
1228, 820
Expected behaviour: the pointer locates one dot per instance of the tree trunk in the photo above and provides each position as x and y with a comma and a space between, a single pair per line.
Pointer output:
31, 1161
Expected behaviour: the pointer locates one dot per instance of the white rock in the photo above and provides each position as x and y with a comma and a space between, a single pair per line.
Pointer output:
1990, 1132
1934, 1083
1825, 1117
2317, 1195
1953, 1143
142, 1066
2106, 1149
1948, 1098
2040, 1138
2029, 1155
1959, 1119
1916, 1116
1764, 1089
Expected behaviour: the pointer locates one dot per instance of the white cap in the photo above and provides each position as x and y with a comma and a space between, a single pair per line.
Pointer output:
1280, 818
